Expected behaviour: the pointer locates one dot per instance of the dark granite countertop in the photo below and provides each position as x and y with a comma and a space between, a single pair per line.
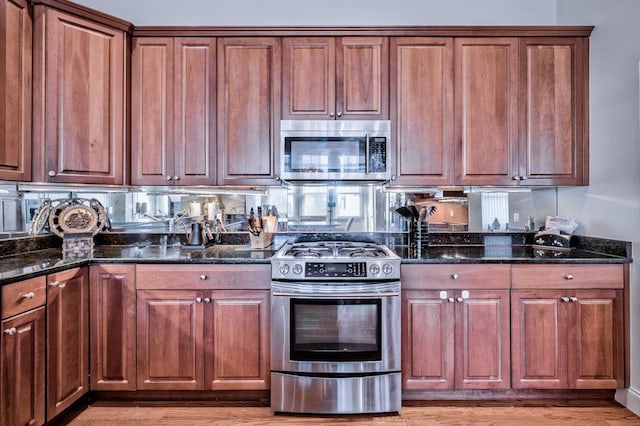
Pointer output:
43, 255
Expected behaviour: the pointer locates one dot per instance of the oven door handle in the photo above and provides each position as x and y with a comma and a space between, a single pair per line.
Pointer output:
336, 296
366, 155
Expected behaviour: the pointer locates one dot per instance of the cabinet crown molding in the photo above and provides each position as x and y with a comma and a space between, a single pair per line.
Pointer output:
87, 13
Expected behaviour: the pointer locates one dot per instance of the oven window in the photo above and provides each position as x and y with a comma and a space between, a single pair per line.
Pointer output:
335, 330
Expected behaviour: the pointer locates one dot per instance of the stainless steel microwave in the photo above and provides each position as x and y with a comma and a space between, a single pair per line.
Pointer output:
351, 150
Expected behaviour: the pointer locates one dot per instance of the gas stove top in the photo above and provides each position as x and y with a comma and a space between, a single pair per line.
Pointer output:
335, 260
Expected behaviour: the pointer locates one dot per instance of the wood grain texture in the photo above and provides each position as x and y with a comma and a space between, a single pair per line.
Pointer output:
431, 414
421, 72
455, 276
567, 276
14, 300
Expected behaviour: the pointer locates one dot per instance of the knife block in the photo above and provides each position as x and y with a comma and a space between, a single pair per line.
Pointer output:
264, 240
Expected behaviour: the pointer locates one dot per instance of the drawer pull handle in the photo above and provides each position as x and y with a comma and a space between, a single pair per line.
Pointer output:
11, 331
455, 276
58, 284
565, 299
29, 295
568, 277
203, 277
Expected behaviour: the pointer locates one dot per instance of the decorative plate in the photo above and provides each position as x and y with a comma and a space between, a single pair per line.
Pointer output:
77, 215
41, 217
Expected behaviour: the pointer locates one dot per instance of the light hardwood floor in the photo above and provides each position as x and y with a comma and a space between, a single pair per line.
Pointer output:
104, 413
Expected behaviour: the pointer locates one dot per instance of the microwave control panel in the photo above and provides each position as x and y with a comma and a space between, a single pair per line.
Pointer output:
377, 155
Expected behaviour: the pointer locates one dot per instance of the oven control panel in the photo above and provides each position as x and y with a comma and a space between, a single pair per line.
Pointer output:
335, 269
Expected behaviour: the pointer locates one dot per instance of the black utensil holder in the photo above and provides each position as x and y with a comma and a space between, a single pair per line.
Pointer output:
418, 237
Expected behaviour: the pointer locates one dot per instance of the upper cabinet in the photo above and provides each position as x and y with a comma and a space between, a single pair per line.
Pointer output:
79, 99
335, 78
173, 111
521, 111
15, 90
249, 95
486, 115
422, 110
554, 130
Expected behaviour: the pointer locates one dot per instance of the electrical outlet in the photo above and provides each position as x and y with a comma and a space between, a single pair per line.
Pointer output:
516, 217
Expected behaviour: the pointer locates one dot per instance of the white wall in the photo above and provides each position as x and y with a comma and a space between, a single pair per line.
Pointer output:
329, 12
610, 206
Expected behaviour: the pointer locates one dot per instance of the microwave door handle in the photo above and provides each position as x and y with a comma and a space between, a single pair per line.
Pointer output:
366, 154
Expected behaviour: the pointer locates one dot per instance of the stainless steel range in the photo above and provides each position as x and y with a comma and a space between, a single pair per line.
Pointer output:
335, 328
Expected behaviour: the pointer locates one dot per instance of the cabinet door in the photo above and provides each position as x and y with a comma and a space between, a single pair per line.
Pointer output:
486, 101
112, 309
362, 78
237, 340
22, 381
81, 109
554, 124
539, 335
483, 349
309, 78
422, 110
152, 150
596, 357
67, 339
195, 111
15, 90
427, 340
169, 340
248, 110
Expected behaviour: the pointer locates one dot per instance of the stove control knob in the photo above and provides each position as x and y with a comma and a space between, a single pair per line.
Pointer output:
297, 269
387, 269
284, 269
374, 269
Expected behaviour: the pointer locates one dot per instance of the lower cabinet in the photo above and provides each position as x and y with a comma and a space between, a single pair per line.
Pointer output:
209, 337
568, 332
112, 337
22, 382
67, 339
455, 338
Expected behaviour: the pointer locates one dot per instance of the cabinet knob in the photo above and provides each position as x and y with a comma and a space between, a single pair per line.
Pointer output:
568, 277
52, 173
330, 114
203, 277
29, 295
459, 299
443, 295
57, 284
573, 299
455, 276
207, 300
339, 114
11, 331
451, 300
565, 299
198, 299
393, 177
515, 177
176, 178
169, 177
523, 178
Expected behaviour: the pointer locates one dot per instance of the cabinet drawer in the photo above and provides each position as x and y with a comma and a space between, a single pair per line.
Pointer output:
454, 276
203, 277
567, 276
23, 296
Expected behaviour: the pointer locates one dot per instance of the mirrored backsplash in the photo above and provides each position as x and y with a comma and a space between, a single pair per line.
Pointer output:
299, 208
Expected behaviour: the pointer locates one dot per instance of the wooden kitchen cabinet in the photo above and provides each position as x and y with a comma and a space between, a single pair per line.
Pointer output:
422, 110
203, 327
67, 339
22, 360
554, 130
112, 308
568, 327
486, 110
78, 99
335, 78
15, 90
249, 92
173, 111
455, 337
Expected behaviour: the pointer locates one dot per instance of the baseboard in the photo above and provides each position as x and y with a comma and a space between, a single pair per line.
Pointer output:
630, 398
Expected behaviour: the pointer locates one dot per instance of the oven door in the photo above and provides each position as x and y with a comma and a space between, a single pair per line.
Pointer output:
335, 328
